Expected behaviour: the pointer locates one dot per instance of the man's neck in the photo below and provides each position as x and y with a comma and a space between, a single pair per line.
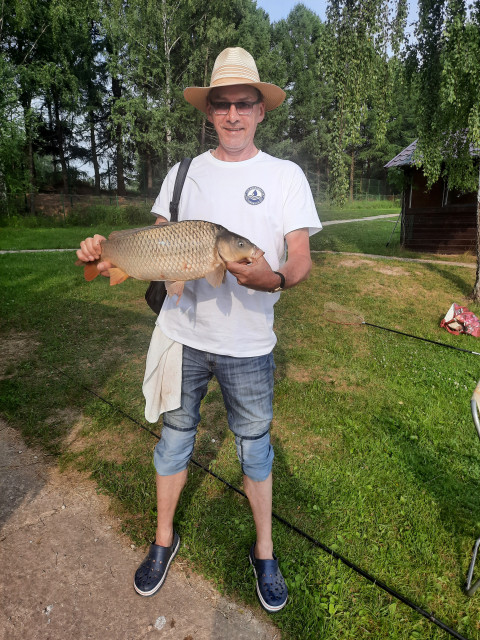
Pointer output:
225, 155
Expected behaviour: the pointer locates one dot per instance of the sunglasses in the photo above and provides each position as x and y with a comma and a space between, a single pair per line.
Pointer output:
242, 108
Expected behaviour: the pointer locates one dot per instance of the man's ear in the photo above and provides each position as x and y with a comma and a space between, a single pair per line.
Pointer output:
262, 112
209, 112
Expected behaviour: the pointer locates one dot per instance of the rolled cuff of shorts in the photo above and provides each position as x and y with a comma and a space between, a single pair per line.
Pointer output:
174, 449
255, 456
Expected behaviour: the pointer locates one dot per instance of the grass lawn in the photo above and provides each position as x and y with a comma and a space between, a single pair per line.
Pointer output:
376, 452
372, 237
358, 209
56, 238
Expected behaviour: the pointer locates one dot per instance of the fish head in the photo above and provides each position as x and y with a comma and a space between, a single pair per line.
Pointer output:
234, 248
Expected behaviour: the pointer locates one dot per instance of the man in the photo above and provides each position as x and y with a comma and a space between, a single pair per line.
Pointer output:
228, 332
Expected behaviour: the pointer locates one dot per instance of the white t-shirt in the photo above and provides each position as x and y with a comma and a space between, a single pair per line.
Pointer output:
262, 199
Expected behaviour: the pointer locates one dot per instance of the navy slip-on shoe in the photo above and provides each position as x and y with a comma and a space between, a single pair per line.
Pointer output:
271, 588
151, 574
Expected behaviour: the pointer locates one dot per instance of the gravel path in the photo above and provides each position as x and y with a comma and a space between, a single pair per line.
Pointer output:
67, 570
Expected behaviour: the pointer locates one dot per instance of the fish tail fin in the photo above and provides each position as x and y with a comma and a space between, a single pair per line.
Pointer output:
90, 270
117, 276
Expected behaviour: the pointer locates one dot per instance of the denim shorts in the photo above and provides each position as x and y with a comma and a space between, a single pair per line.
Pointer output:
247, 389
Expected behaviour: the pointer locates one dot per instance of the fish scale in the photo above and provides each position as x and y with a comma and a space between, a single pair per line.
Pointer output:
164, 251
174, 252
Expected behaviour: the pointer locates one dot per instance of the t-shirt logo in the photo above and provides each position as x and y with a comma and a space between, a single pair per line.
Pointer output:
254, 195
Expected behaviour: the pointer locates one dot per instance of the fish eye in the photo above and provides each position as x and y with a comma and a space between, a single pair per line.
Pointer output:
240, 243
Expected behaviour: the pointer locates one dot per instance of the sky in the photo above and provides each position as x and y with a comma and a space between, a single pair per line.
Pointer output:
279, 9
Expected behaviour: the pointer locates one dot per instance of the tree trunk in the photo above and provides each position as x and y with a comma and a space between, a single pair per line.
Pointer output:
476, 288
61, 151
352, 173
317, 169
168, 80
31, 172
51, 130
29, 153
93, 148
204, 120
3, 192
149, 173
121, 191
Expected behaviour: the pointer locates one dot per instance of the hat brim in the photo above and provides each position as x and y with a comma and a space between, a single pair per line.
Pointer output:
273, 96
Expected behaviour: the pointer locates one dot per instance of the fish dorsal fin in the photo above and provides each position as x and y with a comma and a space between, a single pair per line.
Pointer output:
117, 276
217, 276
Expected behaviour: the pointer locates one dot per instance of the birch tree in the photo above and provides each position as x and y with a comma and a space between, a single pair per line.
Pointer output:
445, 70
360, 38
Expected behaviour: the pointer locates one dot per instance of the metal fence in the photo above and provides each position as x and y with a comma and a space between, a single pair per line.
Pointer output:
60, 204
363, 189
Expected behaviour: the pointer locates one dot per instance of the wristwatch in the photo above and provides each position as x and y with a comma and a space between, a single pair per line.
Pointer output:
281, 286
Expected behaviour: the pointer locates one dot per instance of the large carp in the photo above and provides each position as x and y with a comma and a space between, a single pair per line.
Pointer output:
173, 252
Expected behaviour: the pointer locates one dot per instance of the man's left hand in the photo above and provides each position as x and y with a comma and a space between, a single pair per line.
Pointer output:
257, 275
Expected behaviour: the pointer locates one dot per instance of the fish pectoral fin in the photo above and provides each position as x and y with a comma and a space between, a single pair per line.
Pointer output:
90, 270
217, 276
117, 276
175, 288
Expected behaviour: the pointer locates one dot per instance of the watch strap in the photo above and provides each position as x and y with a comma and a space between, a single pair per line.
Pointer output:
282, 281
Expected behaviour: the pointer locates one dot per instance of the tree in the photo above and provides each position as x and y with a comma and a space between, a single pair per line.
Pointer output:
445, 71
360, 37
23, 27
13, 177
298, 39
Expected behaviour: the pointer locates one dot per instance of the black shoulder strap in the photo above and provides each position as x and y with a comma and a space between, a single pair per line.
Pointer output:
177, 189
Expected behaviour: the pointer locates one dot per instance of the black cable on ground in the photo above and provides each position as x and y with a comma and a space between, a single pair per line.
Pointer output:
410, 335
379, 583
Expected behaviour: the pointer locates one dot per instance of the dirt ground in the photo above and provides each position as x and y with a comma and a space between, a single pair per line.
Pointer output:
67, 571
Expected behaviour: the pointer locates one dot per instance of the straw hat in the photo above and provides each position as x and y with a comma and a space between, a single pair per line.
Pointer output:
235, 66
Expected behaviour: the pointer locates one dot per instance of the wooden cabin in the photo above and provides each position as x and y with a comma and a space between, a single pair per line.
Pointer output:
438, 220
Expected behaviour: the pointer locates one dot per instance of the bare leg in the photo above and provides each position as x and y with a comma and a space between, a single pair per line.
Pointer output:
260, 497
169, 489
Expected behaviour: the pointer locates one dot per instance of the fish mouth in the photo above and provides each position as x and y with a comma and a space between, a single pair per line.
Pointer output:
254, 256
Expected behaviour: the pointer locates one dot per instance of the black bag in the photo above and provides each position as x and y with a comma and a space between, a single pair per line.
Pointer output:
156, 292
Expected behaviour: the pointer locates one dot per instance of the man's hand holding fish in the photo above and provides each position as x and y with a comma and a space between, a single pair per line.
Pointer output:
91, 250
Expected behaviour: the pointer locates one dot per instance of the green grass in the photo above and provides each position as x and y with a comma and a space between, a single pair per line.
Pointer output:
376, 452
372, 237
57, 238
358, 209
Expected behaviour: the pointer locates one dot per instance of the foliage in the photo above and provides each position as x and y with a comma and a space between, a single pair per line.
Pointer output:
355, 52
13, 178
297, 40
445, 70
83, 216
100, 83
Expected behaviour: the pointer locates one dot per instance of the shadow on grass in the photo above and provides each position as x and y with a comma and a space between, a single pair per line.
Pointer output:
463, 284
455, 497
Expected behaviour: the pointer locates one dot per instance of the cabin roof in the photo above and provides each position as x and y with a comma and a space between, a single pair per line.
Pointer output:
405, 157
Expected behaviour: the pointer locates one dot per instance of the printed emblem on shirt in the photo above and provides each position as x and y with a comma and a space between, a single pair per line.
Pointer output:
254, 195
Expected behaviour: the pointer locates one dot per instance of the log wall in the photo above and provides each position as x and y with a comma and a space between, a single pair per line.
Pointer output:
438, 221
